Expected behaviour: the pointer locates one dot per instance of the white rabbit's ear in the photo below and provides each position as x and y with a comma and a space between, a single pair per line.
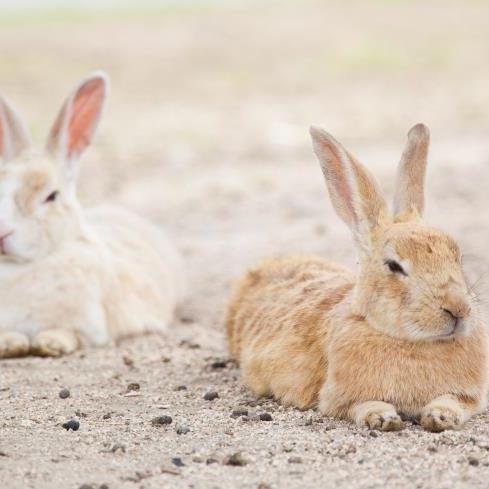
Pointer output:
409, 196
77, 121
14, 137
353, 190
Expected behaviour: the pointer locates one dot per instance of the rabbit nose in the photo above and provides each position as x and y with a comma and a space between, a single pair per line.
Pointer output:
457, 309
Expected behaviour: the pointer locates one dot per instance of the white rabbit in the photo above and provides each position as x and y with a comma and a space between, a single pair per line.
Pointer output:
69, 276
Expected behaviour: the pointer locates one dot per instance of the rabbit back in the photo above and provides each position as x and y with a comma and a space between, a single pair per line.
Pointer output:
277, 325
144, 282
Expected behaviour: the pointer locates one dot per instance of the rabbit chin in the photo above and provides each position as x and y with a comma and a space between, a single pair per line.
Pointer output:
449, 333
16, 253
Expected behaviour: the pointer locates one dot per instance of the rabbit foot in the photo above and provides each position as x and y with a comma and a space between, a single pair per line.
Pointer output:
13, 344
54, 343
441, 418
377, 415
379, 420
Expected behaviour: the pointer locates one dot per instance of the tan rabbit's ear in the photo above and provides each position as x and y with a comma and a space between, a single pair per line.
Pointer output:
409, 194
77, 121
353, 190
14, 137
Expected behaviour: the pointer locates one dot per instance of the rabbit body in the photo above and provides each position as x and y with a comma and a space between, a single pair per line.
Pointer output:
119, 277
400, 339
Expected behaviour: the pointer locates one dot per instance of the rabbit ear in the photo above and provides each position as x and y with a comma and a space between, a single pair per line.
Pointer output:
14, 137
353, 190
77, 120
409, 195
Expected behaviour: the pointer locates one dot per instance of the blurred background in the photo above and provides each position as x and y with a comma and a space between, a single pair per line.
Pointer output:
206, 130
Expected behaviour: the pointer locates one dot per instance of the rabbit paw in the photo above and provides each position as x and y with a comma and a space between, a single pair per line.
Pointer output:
13, 344
441, 418
54, 343
384, 421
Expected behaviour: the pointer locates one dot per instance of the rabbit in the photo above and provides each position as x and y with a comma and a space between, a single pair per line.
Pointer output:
400, 339
71, 277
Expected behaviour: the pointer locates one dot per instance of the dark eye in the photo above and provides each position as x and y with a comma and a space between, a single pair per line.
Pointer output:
395, 267
52, 196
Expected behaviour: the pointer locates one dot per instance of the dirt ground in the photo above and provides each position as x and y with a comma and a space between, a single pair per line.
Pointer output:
206, 134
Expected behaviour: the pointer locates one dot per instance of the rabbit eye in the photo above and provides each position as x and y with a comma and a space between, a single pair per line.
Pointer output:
52, 196
395, 267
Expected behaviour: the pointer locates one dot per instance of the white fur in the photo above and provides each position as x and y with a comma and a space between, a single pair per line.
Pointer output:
102, 274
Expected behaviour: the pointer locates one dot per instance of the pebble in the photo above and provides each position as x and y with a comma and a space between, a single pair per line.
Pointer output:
181, 388
373, 434
128, 361
64, 393
72, 424
161, 420
295, 460
219, 364
265, 417
116, 447
177, 461
474, 461
236, 413
211, 395
236, 460
182, 430
133, 386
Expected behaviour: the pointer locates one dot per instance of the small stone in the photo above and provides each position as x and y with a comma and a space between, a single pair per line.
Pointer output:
211, 395
86, 486
161, 420
182, 430
181, 388
295, 460
103, 486
373, 434
197, 459
211, 461
218, 364
432, 449
64, 393
128, 361
177, 461
107, 416
133, 386
240, 411
72, 424
265, 417
236, 460
474, 461
118, 447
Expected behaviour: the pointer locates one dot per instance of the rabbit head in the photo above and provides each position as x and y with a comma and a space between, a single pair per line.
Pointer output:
38, 205
410, 282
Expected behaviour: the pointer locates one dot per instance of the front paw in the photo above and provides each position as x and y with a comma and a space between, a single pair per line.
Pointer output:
13, 344
441, 418
54, 343
384, 421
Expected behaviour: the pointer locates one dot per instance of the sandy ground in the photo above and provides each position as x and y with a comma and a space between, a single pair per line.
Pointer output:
206, 134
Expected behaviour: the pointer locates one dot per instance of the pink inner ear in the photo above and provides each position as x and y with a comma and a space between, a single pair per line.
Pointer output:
85, 112
342, 185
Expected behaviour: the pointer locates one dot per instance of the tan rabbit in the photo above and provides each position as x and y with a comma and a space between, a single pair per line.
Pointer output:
70, 276
402, 338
